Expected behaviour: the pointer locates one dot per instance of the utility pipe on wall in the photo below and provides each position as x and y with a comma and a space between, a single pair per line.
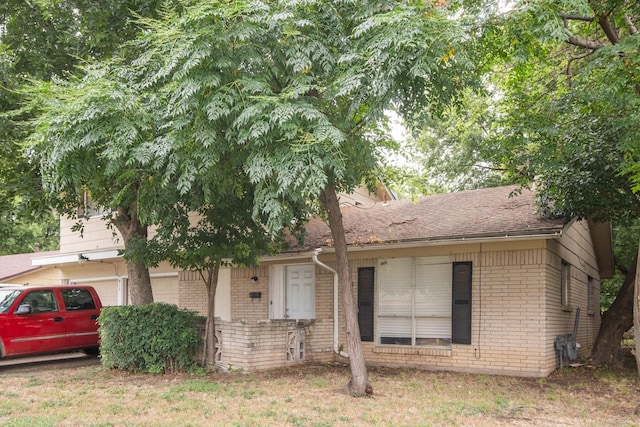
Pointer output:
314, 257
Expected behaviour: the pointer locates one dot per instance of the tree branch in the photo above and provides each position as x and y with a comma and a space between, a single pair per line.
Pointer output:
485, 167
575, 58
576, 41
572, 17
608, 28
584, 43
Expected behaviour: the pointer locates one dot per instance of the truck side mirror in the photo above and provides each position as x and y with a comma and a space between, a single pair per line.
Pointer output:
23, 309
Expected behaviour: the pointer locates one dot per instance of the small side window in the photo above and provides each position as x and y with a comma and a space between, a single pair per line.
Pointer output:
90, 209
565, 277
78, 299
592, 304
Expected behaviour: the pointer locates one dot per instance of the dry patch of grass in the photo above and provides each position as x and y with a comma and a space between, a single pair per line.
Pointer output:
311, 395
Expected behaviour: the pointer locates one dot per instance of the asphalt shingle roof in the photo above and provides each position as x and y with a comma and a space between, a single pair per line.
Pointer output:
13, 265
490, 212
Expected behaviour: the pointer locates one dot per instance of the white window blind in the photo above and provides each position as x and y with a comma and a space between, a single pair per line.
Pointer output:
396, 286
415, 301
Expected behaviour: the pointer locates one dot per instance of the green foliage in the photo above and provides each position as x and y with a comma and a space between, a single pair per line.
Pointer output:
609, 289
20, 234
568, 111
625, 242
284, 96
44, 40
155, 338
626, 235
92, 136
294, 89
454, 152
560, 109
243, 112
566, 107
51, 36
24, 219
208, 230
236, 108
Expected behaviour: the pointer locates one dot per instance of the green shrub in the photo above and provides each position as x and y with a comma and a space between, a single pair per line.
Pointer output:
155, 338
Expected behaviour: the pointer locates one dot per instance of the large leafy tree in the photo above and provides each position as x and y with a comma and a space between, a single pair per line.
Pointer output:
39, 40
454, 151
560, 108
567, 116
89, 137
296, 88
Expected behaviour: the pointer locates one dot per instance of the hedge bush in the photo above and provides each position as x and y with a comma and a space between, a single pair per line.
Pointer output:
155, 338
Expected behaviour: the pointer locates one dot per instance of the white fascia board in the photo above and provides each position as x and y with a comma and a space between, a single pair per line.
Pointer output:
55, 259
75, 258
126, 276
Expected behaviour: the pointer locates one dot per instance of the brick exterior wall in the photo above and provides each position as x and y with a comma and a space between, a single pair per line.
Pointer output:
192, 292
267, 344
242, 306
516, 312
250, 341
516, 315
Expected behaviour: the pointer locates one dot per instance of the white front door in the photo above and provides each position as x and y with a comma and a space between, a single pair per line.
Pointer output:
301, 292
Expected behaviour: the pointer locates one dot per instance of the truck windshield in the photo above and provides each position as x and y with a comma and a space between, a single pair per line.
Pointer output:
7, 297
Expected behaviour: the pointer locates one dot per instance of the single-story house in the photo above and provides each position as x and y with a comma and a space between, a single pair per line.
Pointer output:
475, 281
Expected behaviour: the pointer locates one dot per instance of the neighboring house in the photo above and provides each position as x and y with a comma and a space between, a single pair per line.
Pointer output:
19, 269
474, 281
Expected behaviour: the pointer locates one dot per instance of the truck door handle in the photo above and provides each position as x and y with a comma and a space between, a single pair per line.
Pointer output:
58, 319
94, 316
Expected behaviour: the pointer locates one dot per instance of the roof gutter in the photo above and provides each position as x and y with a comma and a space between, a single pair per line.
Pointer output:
485, 238
425, 242
314, 257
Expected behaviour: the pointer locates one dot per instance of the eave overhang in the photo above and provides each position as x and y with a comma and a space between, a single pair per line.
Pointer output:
76, 257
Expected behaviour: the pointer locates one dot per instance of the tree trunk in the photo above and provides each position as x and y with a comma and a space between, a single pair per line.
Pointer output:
139, 284
131, 229
359, 384
615, 322
211, 283
636, 312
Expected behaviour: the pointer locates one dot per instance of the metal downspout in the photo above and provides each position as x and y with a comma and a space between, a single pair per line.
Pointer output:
314, 257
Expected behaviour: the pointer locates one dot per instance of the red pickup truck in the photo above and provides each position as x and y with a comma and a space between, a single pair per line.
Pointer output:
48, 319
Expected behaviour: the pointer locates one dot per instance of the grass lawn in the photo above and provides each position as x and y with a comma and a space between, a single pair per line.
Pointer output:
311, 395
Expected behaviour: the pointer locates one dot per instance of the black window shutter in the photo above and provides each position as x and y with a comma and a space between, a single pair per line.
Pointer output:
461, 311
365, 302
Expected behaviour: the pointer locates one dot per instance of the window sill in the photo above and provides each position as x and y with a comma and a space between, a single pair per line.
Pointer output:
567, 308
443, 351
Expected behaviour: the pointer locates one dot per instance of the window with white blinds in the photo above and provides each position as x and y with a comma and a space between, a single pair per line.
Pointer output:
415, 301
